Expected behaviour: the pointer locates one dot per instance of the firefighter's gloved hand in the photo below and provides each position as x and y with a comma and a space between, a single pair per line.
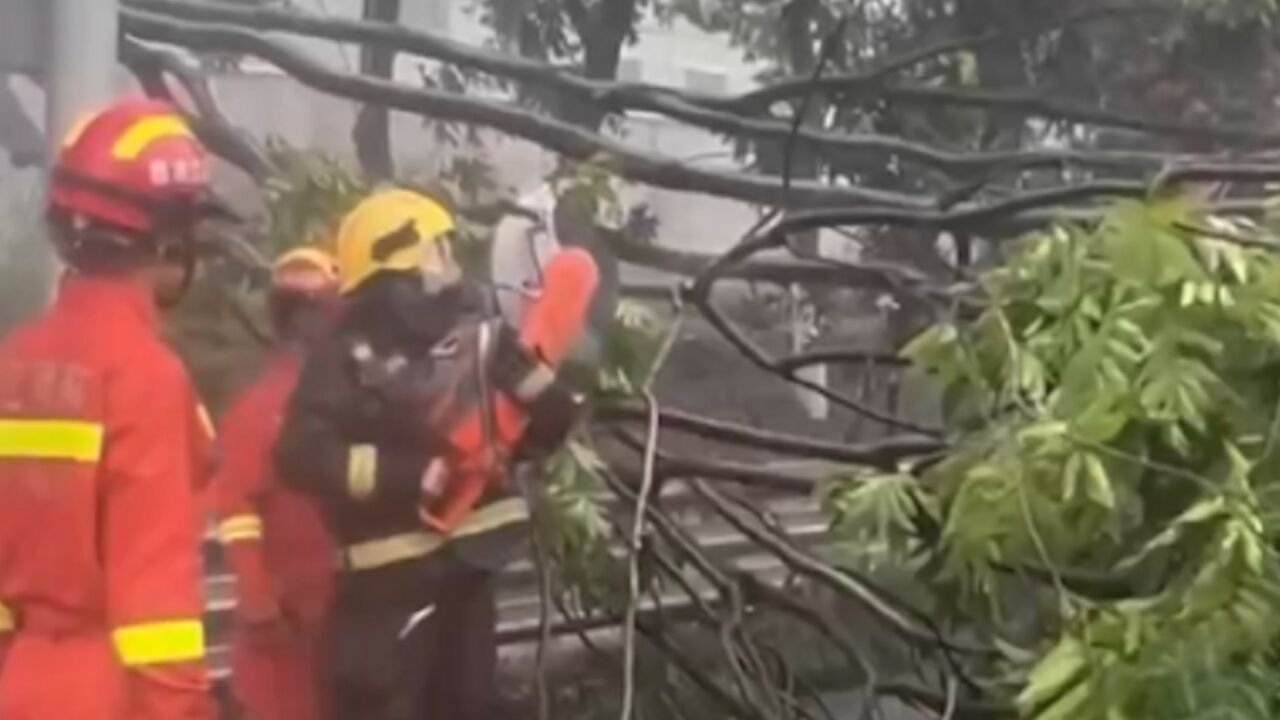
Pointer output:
552, 408
551, 418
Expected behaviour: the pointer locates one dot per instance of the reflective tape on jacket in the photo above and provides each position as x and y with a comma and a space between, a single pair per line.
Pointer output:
389, 550
240, 527
72, 440
206, 422
156, 643
362, 471
7, 621
492, 516
372, 554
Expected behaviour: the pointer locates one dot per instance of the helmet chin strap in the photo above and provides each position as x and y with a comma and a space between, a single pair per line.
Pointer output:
188, 263
184, 287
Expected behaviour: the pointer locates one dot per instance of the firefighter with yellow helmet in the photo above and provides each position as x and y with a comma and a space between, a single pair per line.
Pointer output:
414, 621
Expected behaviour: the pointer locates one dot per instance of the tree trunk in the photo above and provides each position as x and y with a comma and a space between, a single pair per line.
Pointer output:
372, 131
603, 29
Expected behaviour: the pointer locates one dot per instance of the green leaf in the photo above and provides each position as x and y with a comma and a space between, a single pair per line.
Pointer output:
1054, 679
1071, 476
1097, 483
1100, 423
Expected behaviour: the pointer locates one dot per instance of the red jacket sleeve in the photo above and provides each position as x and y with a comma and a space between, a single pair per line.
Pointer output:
151, 539
244, 451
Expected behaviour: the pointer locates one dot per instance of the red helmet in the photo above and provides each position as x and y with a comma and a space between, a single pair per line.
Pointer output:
304, 276
306, 271
136, 166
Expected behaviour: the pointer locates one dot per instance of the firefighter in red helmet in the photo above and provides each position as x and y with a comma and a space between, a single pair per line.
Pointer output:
103, 445
274, 538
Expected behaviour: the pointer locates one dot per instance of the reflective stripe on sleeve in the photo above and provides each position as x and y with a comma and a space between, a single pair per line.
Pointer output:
159, 642
362, 470
74, 440
240, 527
206, 422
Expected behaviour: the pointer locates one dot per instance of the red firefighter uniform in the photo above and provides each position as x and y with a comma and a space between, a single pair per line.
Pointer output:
102, 450
101, 455
280, 551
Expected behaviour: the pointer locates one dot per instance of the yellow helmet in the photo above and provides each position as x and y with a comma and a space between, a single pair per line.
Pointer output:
394, 229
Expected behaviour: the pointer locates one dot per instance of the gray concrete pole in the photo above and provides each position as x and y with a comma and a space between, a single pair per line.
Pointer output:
80, 70
80, 62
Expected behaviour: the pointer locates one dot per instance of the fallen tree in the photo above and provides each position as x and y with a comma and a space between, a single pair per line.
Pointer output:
1109, 423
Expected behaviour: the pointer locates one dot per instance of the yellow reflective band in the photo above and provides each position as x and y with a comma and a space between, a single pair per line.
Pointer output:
6, 619
384, 551
206, 422
74, 440
492, 516
159, 642
240, 527
392, 549
146, 131
362, 470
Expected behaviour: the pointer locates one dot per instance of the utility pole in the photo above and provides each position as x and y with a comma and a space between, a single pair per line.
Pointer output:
79, 68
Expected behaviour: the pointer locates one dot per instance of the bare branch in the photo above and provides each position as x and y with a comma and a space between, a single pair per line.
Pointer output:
885, 453
1024, 212
701, 111
568, 140
762, 360
208, 121
753, 475
840, 356
871, 274
875, 600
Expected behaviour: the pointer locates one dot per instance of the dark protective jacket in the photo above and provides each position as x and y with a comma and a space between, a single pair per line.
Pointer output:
361, 444
359, 434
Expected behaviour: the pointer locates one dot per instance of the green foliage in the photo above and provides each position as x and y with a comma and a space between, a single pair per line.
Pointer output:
576, 533
1114, 410
628, 351
307, 197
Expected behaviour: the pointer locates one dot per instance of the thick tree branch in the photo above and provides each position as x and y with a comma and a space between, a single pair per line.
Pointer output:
1024, 212
883, 454
840, 356
584, 145
568, 140
874, 600
211, 125
723, 470
783, 271
622, 97
761, 359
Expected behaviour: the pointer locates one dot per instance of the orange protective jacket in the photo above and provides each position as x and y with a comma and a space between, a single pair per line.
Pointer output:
274, 538
103, 450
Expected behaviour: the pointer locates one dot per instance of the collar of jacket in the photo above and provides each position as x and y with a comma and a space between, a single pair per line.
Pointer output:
110, 295
394, 312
